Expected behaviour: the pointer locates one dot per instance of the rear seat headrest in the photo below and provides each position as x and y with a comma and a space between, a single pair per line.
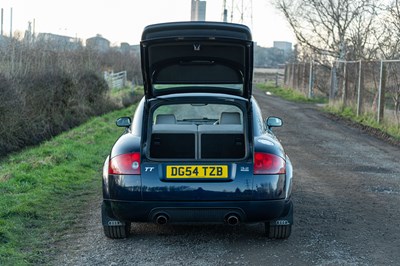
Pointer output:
230, 118
165, 119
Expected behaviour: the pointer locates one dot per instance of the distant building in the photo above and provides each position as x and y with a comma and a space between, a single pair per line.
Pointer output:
198, 10
4, 40
270, 57
285, 46
98, 43
57, 42
135, 49
125, 47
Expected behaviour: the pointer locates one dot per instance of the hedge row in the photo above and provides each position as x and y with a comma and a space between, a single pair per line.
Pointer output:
37, 107
45, 90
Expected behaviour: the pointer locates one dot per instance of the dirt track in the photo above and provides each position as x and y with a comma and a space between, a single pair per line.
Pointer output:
347, 208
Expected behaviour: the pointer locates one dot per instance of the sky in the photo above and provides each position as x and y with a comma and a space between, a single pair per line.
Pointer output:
124, 20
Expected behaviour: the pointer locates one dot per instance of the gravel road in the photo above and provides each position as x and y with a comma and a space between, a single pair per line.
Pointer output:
346, 198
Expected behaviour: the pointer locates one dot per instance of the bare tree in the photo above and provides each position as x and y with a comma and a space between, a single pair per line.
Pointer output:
388, 38
388, 35
332, 27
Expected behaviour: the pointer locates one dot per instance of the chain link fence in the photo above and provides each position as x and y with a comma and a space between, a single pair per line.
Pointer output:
368, 87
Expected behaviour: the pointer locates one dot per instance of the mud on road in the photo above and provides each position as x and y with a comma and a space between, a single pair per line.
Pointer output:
346, 202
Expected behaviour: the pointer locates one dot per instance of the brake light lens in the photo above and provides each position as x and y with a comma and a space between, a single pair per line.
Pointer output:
266, 163
125, 164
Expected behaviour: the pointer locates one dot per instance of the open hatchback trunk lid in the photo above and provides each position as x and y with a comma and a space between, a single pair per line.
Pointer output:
197, 56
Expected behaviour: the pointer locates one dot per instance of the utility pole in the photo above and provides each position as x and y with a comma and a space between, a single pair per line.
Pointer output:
224, 12
232, 11
11, 20
2, 13
241, 14
240, 11
34, 30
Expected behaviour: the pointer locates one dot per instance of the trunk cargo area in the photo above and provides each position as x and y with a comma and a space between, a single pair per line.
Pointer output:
197, 142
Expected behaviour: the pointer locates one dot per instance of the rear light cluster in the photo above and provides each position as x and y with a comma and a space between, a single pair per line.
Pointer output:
125, 164
129, 164
266, 163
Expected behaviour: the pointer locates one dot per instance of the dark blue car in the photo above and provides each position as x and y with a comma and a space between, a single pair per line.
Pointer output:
198, 150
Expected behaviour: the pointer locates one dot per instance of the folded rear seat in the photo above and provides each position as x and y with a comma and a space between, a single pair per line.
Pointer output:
173, 141
221, 141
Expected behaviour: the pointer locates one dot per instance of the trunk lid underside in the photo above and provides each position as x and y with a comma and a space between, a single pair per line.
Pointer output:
197, 57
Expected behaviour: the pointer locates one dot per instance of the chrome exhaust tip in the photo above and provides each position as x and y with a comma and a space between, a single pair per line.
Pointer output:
161, 219
232, 219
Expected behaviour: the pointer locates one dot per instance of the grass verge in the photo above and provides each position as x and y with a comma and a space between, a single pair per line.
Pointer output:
367, 122
43, 188
386, 130
290, 94
126, 96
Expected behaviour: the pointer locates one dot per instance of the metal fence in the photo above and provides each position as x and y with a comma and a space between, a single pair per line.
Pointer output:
115, 80
369, 87
268, 75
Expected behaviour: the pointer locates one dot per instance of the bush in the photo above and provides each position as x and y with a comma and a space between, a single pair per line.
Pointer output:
48, 104
93, 91
10, 116
48, 101
46, 89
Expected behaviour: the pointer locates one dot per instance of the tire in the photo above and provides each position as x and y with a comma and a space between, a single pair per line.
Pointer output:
117, 232
113, 228
278, 231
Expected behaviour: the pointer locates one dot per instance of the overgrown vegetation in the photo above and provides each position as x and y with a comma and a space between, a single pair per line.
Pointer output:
127, 96
46, 90
44, 188
368, 119
290, 94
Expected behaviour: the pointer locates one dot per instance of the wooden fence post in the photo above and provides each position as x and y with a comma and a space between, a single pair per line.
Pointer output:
381, 93
344, 89
292, 75
333, 83
360, 89
300, 74
286, 75
311, 80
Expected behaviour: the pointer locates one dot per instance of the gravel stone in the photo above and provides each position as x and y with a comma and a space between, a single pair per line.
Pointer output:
346, 207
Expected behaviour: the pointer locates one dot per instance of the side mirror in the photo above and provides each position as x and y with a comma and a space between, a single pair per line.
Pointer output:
123, 122
273, 121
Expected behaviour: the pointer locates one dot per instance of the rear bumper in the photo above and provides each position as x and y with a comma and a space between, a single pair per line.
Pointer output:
199, 212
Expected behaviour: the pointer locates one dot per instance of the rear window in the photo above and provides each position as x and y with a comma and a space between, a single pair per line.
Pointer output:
197, 114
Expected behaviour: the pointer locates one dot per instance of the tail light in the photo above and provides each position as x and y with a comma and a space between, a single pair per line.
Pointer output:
266, 163
125, 164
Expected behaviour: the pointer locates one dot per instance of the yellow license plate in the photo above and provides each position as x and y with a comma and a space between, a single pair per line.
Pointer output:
197, 171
